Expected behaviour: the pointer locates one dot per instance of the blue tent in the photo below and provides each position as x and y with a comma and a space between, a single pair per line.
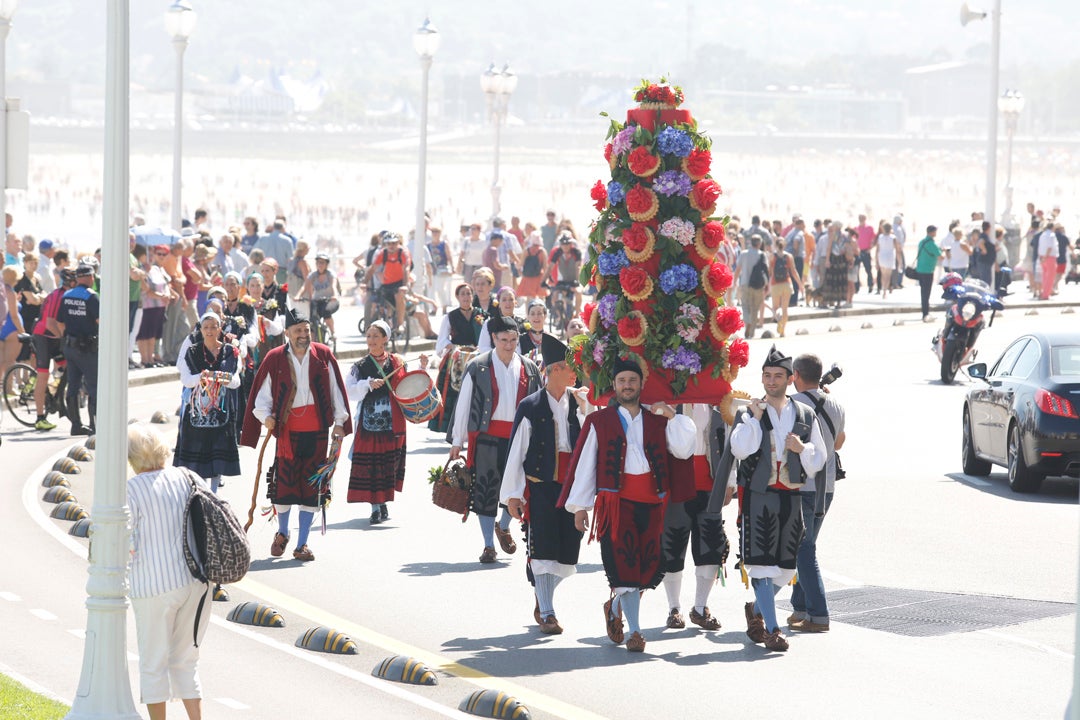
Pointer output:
149, 236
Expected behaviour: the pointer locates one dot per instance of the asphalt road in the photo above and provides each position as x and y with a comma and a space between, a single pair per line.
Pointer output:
952, 597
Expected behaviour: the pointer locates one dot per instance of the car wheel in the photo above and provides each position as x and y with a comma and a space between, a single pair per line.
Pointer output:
1021, 478
973, 465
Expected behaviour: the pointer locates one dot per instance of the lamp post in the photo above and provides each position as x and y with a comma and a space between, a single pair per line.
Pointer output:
966, 16
426, 43
7, 11
498, 86
179, 23
104, 690
1011, 104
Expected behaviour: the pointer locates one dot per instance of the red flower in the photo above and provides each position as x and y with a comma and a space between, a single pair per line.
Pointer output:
712, 234
667, 96
697, 164
599, 196
285, 288
634, 280
739, 353
728, 319
587, 311
579, 356
635, 238
705, 194
641, 203
630, 327
607, 152
720, 277
642, 162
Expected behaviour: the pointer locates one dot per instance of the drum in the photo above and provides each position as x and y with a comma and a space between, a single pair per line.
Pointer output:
457, 361
418, 397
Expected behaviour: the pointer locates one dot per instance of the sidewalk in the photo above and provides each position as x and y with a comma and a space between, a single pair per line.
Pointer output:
351, 344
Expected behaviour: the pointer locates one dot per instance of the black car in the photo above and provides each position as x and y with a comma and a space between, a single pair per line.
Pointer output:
1025, 417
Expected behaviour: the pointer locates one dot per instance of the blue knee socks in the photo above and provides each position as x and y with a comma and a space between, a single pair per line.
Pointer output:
487, 529
631, 607
215, 483
283, 522
766, 602
545, 592
504, 519
306, 518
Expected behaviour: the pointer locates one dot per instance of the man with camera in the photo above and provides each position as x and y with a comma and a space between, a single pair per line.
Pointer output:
778, 445
808, 596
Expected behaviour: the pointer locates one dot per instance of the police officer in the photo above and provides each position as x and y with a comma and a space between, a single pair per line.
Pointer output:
78, 320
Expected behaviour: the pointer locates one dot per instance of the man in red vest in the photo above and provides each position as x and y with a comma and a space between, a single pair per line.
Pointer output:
298, 394
622, 468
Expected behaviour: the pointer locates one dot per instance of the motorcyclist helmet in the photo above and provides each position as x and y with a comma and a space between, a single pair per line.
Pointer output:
950, 279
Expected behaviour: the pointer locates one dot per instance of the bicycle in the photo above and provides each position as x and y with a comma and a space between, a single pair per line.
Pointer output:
561, 303
383, 309
320, 331
19, 383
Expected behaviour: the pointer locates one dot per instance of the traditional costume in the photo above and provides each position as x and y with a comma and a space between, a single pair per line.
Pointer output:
622, 464
770, 510
462, 330
546, 428
378, 452
239, 322
490, 394
206, 440
486, 334
306, 397
681, 525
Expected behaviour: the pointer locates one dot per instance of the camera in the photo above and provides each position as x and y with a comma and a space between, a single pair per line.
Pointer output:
835, 373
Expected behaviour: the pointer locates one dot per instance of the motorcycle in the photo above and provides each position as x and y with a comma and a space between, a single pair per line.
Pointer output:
967, 302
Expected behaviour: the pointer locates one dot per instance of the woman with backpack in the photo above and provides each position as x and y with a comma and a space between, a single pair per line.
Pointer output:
165, 597
378, 451
533, 269
783, 273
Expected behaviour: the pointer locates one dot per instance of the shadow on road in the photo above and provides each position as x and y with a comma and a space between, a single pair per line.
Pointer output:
1059, 491
430, 569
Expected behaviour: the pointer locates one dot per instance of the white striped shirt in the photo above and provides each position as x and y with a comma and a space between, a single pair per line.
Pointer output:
157, 500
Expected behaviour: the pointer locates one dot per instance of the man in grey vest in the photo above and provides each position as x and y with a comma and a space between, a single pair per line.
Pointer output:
778, 443
494, 385
808, 596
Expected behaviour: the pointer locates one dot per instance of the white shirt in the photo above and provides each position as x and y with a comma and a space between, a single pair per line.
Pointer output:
958, 259
746, 439
189, 379
507, 377
264, 401
1048, 244
681, 437
513, 482
157, 500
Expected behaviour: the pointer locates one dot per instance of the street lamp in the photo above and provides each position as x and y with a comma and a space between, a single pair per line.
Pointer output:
1011, 104
426, 43
179, 23
966, 16
7, 11
498, 86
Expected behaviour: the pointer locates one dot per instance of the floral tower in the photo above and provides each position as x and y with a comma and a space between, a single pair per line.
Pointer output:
652, 257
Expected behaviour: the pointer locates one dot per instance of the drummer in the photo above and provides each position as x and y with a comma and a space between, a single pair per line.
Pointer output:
378, 452
460, 329
506, 300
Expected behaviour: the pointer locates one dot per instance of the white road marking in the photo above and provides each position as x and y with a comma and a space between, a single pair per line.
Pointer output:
42, 614
10, 597
78, 632
1028, 643
233, 704
978, 482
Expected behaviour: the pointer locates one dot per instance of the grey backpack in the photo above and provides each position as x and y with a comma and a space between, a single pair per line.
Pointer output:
215, 545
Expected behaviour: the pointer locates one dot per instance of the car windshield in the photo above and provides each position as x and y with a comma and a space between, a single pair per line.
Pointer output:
1065, 360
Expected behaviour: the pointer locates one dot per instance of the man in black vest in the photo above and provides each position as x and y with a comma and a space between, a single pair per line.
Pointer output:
546, 429
778, 443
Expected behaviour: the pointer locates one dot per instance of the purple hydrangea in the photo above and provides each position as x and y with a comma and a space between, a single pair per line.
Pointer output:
623, 139
673, 141
610, 263
598, 351
681, 359
681, 278
673, 182
615, 192
606, 308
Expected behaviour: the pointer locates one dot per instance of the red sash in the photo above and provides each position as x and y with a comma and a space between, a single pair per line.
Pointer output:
702, 474
636, 488
300, 419
498, 428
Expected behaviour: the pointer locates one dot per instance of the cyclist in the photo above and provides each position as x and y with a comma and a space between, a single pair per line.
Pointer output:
392, 263
320, 289
565, 268
46, 343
